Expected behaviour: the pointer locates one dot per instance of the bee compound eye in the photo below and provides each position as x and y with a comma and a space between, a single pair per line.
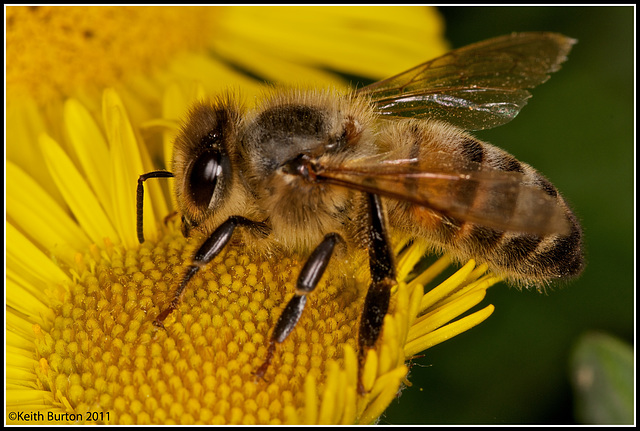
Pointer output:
204, 175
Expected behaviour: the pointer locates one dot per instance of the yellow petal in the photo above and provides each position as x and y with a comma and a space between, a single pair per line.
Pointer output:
444, 289
28, 303
90, 146
127, 158
26, 259
40, 217
439, 317
311, 400
330, 405
24, 124
446, 332
77, 193
383, 392
364, 41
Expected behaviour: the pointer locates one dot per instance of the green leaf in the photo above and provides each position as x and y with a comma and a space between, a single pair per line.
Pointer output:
602, 376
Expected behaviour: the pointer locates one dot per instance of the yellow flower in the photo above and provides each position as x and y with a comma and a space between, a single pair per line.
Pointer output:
82, 294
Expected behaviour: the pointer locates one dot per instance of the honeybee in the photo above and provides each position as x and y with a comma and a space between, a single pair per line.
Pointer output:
323, 173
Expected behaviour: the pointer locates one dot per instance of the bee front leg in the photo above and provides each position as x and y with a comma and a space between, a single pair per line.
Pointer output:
308, 279
383, 278
206, 253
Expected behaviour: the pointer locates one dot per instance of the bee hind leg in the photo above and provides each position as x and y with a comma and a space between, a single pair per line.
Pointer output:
308, 279
383, 278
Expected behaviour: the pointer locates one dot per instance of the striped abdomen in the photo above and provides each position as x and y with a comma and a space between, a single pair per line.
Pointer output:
489, 216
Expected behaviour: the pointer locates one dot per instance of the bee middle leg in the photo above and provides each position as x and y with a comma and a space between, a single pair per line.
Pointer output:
383, 278
206, 253
308, 279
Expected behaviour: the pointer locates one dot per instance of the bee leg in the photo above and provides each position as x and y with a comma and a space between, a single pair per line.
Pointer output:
308, 279
383, 278
167, 219
140, 197
206, 253
187, 226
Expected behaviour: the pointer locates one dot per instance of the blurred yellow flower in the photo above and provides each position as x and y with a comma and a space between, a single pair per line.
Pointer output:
82, 294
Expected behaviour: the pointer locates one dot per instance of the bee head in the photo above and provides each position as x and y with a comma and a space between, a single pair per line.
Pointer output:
202, 162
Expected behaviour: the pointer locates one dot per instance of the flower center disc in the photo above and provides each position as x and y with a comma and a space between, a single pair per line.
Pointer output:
104, 352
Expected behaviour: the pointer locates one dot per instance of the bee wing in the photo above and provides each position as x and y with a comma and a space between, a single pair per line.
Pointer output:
491, 198
476, 87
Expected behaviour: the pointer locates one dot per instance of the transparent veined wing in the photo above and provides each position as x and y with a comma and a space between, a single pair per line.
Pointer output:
455, 187
476, 87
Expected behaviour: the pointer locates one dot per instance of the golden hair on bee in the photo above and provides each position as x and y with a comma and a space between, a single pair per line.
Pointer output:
320, 172
323, 124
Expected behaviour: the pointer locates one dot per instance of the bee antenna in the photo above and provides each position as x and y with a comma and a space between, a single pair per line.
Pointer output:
140, 198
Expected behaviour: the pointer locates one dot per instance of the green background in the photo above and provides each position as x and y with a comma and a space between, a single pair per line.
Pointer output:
578, 130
